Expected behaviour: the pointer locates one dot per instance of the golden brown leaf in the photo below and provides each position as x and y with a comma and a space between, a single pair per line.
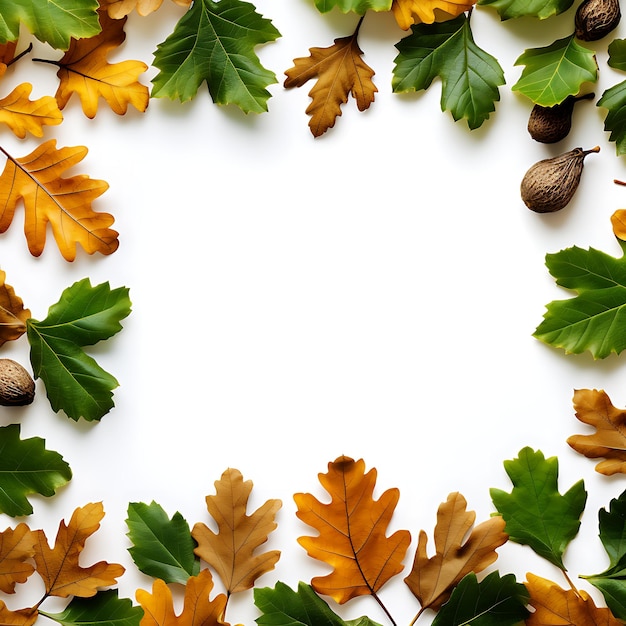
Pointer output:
340, 71
432, 579
554, 606
22, 115
21, 617
13, 315
352, 529
198, 608
409, 12
594, 407
64, 203
84, 70
59, 567
118, 9
7, 54
231, 551
618, 221
16, 546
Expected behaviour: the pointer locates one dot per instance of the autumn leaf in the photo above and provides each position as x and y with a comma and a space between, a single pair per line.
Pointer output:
232, 550
117, 9
352, 529
22, 115
17, 545
594, 407
460, 549
198, 609
64, 203
84, 70
340, 72
7, 55
13, 315
555, 605
408, 12
618, 222
21, 617
59, 567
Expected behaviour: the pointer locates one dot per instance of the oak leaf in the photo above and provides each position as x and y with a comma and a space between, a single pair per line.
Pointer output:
13, 315
231, 551
59, 566
340, 72
432, 579
17, 545
618, 222
21, 617
594, 407
554, 605
84, 70
352, 531
7, 55
408, 12
64, 203
118, 9
198, 608
22, 115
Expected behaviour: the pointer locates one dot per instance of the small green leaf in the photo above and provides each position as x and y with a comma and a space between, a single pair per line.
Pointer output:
103, 609
214, 42
26, 468
542, 9
614, 99
617, 54
162, 547
556, 71
470, 77
536, 514
353, 6
83, 316
494, 601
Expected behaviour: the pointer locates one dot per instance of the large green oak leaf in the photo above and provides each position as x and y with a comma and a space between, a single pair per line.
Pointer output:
83, 316
470, 77
542, 9
614, 98
214, 42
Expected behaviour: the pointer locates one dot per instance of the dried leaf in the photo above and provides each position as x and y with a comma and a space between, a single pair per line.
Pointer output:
21, 617
22, 115
231, 551
352, 531
65, 203
618, 221
408, 12
118, 9
13, 315
16, 546
340, 72
432, 579
7, 54
594, 407
59, 567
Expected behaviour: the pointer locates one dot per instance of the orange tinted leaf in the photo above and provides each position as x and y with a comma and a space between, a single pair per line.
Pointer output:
7, 54
16, 546
64, 203
118, 9
618, 221
23, 115
13, 315
21, 617
352, 532
409, 12
555, 606
231, 551
594, 407
198, 608
432, 579
340, 71
59, 568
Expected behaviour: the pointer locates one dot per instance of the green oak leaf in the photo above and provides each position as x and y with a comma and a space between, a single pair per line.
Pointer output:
494, 601
162, 547
103, 609
27, 468
470, 77
353, 6
614, 98
214, 42
55, 22
282, 606
542, 9
553, 72
83, 316
536, 514
594, 320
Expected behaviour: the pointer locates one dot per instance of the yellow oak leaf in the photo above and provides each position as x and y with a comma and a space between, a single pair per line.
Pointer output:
232, 550
457, 553
22, 115
64, 203
13, 315
594, 407
340, 72
84, 70
554, 606
59, 566
352, 532
17, 545
198, 609
618, 221
21, 617
408, 12
118, 9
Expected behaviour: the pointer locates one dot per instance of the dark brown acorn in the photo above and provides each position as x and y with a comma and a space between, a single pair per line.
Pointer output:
596, 18
551, 124
550, 184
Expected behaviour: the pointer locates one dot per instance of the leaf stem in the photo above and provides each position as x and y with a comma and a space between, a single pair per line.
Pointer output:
20, 55
570, 583
49, 61
383, 607
358, 26
417, 616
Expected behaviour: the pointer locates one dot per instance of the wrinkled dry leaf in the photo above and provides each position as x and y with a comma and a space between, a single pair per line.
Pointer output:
13, 315
21, 617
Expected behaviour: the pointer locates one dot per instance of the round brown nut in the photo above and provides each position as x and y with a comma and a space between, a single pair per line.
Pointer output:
17, 388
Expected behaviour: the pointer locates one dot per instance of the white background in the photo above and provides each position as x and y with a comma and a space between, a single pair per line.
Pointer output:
371, 293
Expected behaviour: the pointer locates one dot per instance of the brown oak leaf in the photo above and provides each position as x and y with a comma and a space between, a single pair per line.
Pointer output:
64, 203
22, 115
563, 607
408, 12
17, 545
13, 315
231, 551
456, 553
340, 71
594, 407
118, 9
198, 609
7, 55
84, 70
59, 566
21, 617
352, 532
